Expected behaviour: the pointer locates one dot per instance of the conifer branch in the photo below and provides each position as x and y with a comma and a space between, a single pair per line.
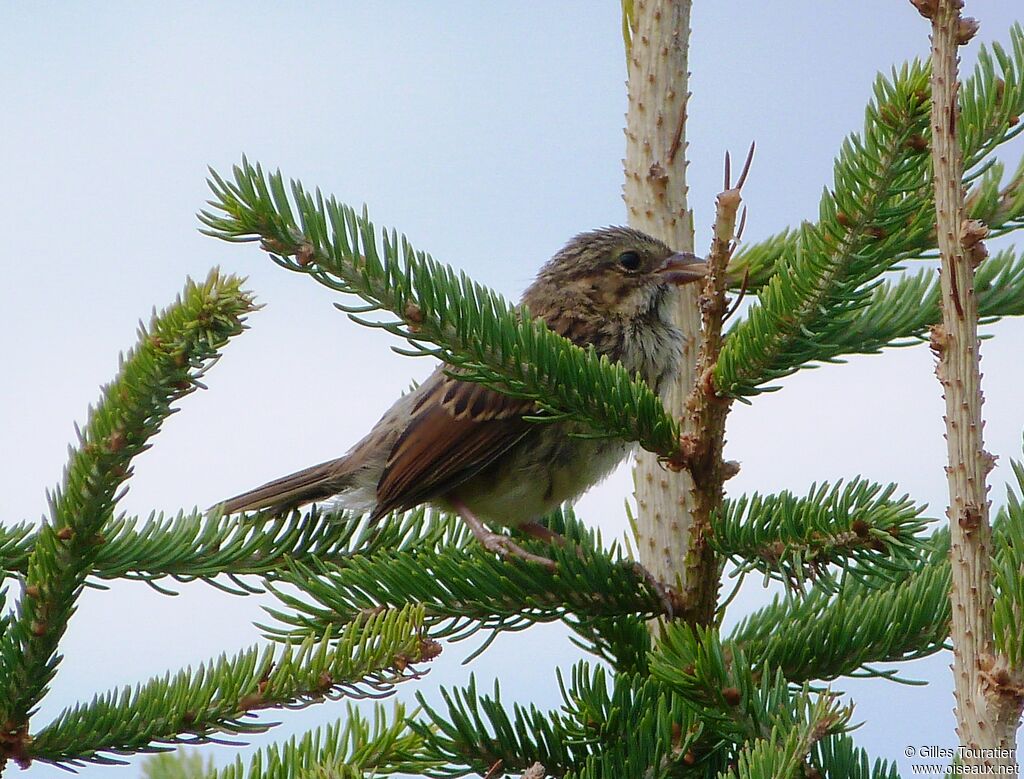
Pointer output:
825, 636
700, 725
626, 727
876, 216
739, 698
836, 755
784, 751
1000, 206
831, 262
207, 547
441, 313
367, 659
477, 732
166, 365
605, 713
901, 312
350, 749
196, 546
988, 714
883, 617
858, 528
465, 590
1008, 581
621, 641
15, 547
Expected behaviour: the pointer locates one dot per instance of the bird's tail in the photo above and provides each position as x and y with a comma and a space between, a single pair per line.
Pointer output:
315, 483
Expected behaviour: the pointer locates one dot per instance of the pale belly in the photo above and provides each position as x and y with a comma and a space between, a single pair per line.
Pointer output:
539, 474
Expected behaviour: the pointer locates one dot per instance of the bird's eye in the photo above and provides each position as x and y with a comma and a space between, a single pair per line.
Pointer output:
629, 260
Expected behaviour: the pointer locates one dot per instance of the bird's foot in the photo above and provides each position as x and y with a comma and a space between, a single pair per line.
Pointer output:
503, 546
670, 600
499, 544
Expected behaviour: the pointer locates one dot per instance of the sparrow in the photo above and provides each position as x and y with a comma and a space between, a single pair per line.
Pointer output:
470, 450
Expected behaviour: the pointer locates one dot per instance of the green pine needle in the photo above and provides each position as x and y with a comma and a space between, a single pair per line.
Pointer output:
857, 528
1008, 575
476, 732
167, 364
353, 748
221, 697
837, 756
825, 636
783, 752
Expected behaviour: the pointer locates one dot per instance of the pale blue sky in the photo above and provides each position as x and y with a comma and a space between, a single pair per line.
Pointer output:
489, 133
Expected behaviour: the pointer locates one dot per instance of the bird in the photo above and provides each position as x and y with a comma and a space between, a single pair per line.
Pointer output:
471, 450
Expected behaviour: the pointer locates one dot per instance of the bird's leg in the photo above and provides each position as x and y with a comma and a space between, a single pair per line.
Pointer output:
499, 544
668, 596
537, 530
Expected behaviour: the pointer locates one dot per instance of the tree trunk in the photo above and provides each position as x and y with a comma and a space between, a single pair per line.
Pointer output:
987, 714
655, 195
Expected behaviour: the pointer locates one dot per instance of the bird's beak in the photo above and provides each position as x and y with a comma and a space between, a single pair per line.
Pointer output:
683, 268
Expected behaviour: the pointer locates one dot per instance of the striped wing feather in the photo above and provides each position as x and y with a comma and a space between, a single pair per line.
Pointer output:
456, 429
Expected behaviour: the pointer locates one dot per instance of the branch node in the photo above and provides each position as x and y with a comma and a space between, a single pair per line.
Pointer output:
989, 461
970, 517
1002, 680
275, 246
690, 446
938, 339
972, 233
966, 28
729, 469
927, 8
305, 254
656, 175
535, 771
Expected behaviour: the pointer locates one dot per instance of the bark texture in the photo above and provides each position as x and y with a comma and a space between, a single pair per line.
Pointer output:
987, 713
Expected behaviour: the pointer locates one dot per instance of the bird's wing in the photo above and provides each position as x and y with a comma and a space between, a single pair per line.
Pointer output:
456, 428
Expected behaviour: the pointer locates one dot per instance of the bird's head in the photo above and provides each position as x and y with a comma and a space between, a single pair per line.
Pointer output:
617, 271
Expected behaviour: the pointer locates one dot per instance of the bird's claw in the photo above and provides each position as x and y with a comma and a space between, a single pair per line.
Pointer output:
670, 602
503, 546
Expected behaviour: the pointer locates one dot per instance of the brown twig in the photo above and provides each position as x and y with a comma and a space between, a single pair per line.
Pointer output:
706, 411
986, 721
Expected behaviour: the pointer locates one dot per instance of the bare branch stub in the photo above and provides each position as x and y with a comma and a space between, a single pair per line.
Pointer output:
746, 166
535, 771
